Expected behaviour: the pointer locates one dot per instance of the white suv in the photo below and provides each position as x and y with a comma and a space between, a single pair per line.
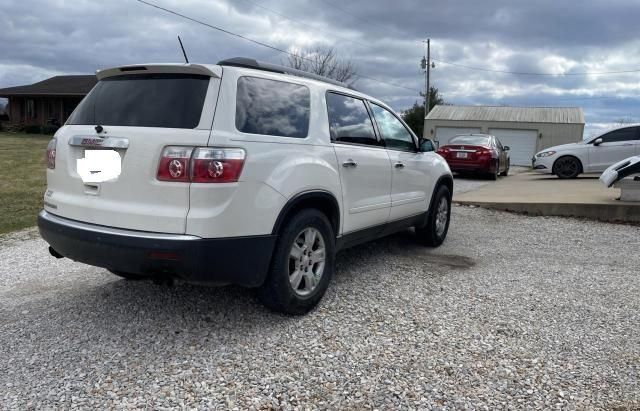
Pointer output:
241, 172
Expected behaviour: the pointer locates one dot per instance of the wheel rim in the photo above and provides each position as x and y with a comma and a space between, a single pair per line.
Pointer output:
442, 215
567, 167
306, 261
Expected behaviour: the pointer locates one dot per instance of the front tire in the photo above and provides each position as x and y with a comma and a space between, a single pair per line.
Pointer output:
567, 167
506, 170
435, 230
301, 266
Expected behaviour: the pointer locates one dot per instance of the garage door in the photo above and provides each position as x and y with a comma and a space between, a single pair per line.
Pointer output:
444, 134
521, 142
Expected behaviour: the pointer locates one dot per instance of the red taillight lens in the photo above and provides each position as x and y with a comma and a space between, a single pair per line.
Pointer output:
443, 151
51, 153
174, 164
201, 164
484, 152
217, 165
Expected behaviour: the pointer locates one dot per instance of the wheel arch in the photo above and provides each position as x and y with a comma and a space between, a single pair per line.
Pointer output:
318, 199
446, 180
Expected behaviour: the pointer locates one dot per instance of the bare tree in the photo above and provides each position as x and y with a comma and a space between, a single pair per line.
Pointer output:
324, 61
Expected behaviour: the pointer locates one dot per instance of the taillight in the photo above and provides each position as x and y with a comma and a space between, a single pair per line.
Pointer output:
443, 151
485, 152
217, 165
174, 164
201, 164
51, 153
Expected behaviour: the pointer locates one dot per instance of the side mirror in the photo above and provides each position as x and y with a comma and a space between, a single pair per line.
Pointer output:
506, 148
597, 142
427, 145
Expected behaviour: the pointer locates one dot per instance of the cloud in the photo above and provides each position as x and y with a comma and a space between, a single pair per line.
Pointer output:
42, 38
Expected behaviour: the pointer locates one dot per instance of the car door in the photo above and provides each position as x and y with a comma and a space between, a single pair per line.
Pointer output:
365, 169
503, 155
411, 175
616, 146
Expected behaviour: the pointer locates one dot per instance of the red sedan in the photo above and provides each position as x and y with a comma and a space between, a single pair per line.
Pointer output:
476, 153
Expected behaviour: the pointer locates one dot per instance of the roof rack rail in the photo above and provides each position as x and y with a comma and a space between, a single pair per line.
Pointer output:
275, 68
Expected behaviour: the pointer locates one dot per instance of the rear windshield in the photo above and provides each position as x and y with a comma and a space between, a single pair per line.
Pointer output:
144, 100
470, 140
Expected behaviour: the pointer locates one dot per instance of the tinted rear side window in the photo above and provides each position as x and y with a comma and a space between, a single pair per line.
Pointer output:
144, 100
273, 108
349, 120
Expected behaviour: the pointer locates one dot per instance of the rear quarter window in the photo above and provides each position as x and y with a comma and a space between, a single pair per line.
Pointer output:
144, 100
272, 108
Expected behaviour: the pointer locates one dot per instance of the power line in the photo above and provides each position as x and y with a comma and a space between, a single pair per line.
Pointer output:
279, 50
524, 73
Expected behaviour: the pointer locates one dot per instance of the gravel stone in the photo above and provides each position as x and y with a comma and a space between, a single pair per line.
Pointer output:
511, 312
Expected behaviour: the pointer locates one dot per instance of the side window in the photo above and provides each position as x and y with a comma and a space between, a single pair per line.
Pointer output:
272, 108
624, 134
499, 144
393, 132
349, 120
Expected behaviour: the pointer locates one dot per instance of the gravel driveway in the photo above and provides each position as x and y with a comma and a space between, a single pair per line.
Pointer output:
511, 312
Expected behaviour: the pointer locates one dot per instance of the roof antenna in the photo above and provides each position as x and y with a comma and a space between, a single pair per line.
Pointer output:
184, 53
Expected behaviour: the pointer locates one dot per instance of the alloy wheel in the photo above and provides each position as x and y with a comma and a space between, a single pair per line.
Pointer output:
442, 215
306, 261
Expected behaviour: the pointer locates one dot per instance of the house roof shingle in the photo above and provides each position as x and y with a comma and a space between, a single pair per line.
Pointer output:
570, 115
77, 85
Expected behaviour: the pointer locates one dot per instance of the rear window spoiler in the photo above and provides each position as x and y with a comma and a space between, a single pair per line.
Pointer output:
201, 69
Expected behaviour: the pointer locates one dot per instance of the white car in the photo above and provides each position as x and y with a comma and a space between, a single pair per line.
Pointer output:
590, 156
241, 172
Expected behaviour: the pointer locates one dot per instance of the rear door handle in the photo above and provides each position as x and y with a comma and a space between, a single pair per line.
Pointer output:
399, 164
349, 164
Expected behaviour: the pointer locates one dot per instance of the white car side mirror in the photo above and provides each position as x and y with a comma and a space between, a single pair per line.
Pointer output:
597, 142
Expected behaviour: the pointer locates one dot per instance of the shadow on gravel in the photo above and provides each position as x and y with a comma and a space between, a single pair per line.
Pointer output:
122, 307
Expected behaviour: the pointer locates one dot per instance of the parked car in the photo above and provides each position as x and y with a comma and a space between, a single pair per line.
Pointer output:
477, 153
590, 156
290, 169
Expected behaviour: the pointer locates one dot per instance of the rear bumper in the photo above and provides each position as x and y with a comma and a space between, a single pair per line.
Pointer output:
487, 166
236, 260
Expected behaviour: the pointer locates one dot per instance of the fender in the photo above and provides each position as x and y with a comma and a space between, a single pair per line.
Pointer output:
323, 200
447, 180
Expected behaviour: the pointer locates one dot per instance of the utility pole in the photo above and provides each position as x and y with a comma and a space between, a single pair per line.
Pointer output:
426, 66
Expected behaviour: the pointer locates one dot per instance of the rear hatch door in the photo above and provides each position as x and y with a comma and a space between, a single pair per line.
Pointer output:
139, 113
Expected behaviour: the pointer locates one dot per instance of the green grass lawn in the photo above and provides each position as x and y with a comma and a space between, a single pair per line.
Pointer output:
22, 179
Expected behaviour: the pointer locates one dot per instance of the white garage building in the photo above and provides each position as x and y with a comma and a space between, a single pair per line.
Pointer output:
526, 130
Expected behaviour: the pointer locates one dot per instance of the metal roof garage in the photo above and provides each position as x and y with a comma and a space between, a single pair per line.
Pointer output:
526, 130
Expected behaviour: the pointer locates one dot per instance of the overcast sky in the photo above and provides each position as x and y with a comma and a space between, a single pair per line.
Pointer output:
43, 38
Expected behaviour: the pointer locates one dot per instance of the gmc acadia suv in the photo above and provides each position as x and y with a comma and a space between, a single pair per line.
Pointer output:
237, 173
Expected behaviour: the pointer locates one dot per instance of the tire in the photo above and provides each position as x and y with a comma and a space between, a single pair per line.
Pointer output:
129, 276
494, 176
506, 170
567, 167
435, 231
305, 232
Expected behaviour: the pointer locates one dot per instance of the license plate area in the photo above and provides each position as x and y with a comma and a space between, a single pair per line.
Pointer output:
462, 154
98, 166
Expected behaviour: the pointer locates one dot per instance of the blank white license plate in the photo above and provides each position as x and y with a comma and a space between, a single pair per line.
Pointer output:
461, 155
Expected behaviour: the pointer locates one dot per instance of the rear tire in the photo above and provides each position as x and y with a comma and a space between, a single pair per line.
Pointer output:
435, 230
567, 167
302, 264
129, 276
